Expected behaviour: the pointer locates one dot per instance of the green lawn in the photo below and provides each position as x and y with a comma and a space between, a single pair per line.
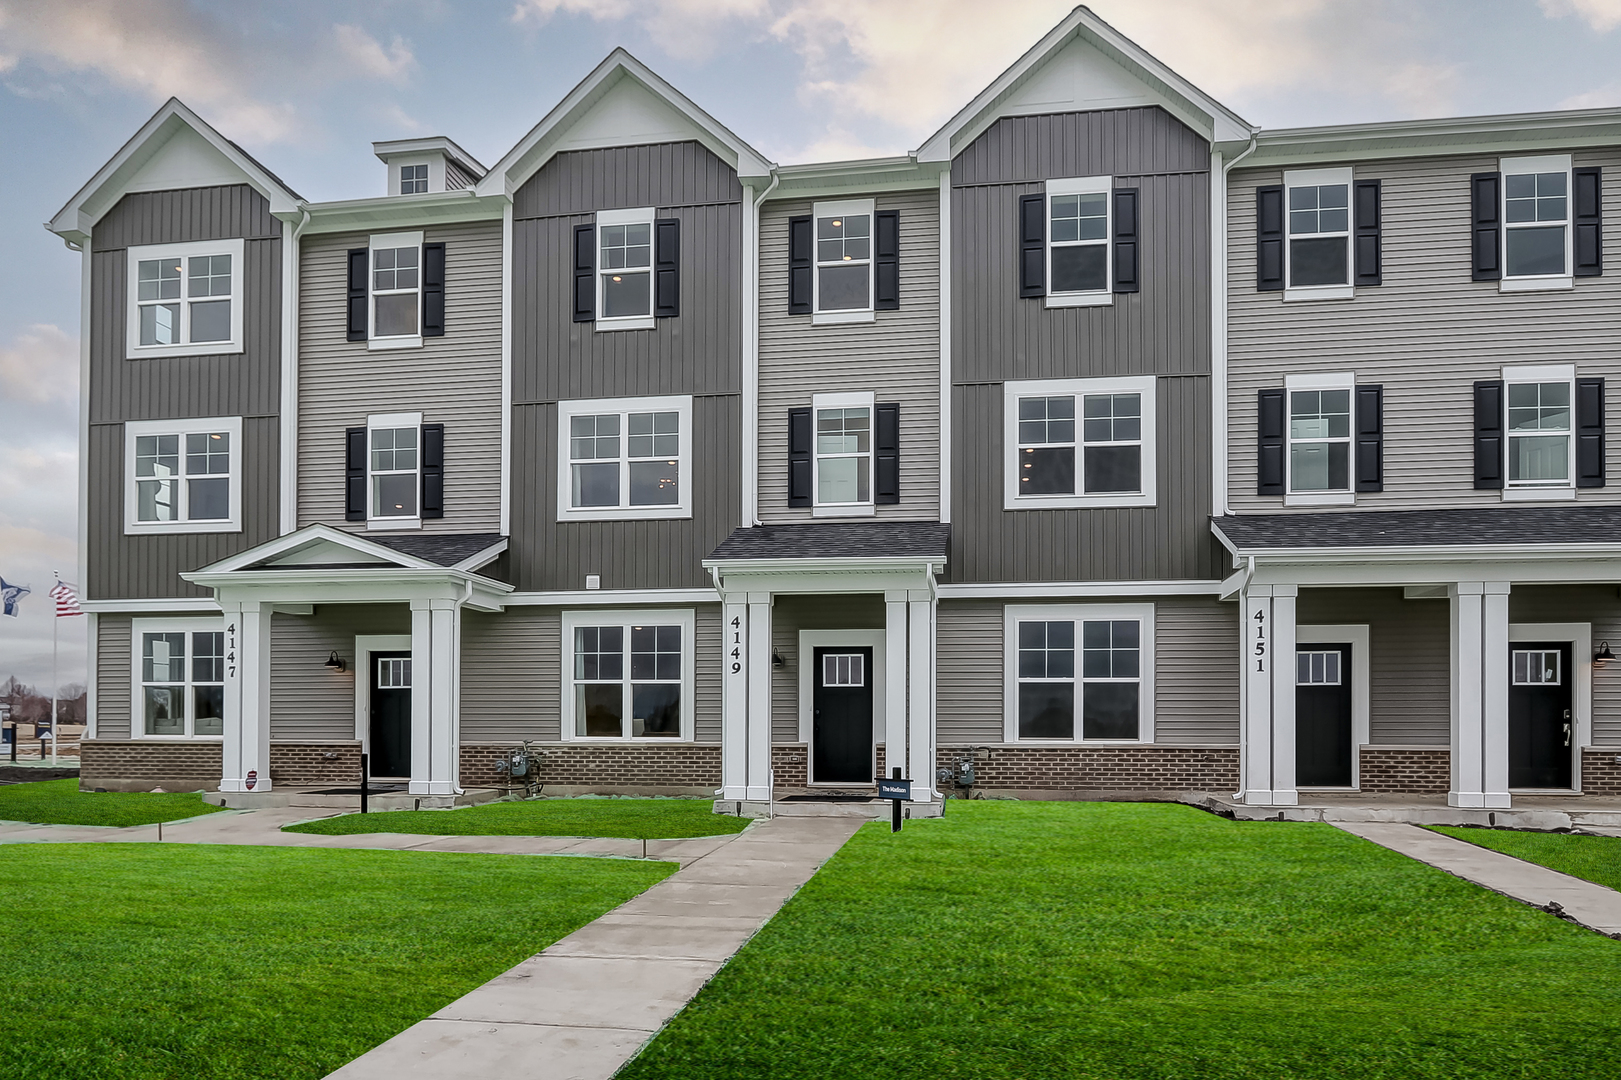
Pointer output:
631, 819
60, 802
1077, 940
217, 963
1593, 858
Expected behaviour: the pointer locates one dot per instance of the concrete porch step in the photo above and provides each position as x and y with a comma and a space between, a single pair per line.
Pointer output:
314, 797
1538, 813
873, 810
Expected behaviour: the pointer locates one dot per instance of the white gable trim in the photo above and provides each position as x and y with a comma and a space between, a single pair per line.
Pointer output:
364, 551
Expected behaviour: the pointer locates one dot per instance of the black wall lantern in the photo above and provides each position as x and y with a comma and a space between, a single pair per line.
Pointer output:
335, 662
1604, 655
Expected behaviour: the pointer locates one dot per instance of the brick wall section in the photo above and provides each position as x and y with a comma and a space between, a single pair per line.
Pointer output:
1601, 771
173, 765
639, 765
789, 762
303, 764
1405, 770
1099, 768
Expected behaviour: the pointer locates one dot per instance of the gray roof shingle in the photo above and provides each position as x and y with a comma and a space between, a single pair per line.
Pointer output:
838, 540
446, 549
1488, 527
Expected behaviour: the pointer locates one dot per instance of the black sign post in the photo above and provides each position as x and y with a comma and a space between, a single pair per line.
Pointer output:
365, 788
897, 791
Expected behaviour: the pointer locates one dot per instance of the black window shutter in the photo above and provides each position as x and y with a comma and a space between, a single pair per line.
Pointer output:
886, 254
1269, 442
354, 474
1370, 438
1589, 210
433, 290
1589, 433
359, 268
1269, 239
1489, 434
800, 267
1125, 240
585, 277
799, 457
667, 268
1032, 245
433, 471
886, 443
1486, 217
1368, 243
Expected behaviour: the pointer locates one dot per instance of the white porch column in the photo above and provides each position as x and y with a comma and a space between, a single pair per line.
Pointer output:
1267, 734
759, 721
246, 749
734, 697
435, 696
1479, 695
920, 722
894, 733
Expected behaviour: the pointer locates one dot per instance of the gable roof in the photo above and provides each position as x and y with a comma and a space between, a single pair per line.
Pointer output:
74, 221
317, 547
544, 139
1198, 110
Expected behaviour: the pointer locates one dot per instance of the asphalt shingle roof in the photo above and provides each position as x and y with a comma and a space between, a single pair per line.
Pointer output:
446, 549
1488, 527
838, 540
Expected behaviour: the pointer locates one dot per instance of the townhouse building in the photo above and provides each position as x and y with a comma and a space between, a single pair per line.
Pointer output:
1103, 443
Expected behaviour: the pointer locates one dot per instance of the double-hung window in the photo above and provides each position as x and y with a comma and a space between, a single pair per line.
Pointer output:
179, 677
1538, 429
628, 674
184, 299
1318, 221
1078, 251
1079, 672
844, 263
394, 470
1536, 222
1073, 443
844, 454
183, 475
625, 269
624, 458
1319, 432
396, 290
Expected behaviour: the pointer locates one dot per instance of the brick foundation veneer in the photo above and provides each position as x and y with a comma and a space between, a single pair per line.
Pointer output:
302, 764
682, 767
1060, 769
1405, 770
1601, 770
140, 765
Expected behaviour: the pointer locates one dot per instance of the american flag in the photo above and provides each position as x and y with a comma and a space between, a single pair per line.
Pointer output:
67, 601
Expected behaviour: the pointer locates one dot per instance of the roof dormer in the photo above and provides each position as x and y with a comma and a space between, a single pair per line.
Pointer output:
435, 164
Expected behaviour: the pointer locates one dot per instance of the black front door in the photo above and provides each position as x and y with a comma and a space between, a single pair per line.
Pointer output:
390, 742
841, 698
1540, 724
1324, 741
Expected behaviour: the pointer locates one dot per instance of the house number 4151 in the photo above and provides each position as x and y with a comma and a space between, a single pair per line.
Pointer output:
1260, 640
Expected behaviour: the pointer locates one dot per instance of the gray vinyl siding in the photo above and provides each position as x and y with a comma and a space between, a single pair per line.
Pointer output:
309, 701
791, 614
1589, 604
658, 553
1195, 676
512, 675
1409, 685
897, 357
1426, 334
113, 676
453, 380
1163, 329
1170, 540
159, 388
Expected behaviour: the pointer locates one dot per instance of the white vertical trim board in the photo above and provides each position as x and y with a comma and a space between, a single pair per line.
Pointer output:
287, 482
809, 641
1218, 335
1357, 635
83, 530
751, 357
945, 346
506, 368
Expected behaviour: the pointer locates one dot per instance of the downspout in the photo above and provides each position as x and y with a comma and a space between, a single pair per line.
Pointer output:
751, 363
1218, 327
1243, 680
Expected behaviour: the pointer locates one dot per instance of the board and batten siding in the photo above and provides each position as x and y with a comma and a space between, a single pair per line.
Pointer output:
1195, 671
896, 356
183, 387
789, 615
453, 380
309, 701
1589, 604
512, 675
1426, 334
114, 676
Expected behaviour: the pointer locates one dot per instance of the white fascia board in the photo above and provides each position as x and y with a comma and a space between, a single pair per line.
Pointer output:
282, 544
1477, 553
824, 566
1507, 134
403, 212
74, 221
164, 606
535, 148
386, 584
1064, 589
433, 144
874, 176
612, 598
483, 558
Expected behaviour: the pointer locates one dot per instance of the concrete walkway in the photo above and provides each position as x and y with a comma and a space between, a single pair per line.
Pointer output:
1593, 906
585, 1006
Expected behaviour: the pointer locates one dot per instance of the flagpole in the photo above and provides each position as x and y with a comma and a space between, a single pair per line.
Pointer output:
54, 680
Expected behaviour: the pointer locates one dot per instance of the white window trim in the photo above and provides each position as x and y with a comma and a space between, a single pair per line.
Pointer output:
1083, 185
392, 420
682, 617
1317, 178
397, 341
397, 169
857, 400
845, 315
639, 216
1012, 614
232, 425
1291, 383
133, 349
1521, 166
567, 410
137, 710
1144, 385
1524, 492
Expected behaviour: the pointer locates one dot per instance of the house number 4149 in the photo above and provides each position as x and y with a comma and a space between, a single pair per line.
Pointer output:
737, 645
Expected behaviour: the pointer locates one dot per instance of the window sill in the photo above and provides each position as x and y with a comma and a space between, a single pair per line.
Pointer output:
1539, 494
865, 510
609, 740
142, 528
1323, 498
178, 738
382, 344
1076, 502
627, 513
1319, 292
1086, 299
1079, 742
1536, 284
392, 524
634, 322
836, 318
158, 352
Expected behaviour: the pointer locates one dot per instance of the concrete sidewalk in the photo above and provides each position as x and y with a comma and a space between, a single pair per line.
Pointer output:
1593, 906
585, 1006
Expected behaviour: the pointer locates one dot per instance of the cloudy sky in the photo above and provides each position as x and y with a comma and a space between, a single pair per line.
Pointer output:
306, 85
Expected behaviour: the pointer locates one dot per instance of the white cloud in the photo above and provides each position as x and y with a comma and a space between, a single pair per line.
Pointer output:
367, 53
1602, 15
1607, 96
40, 366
